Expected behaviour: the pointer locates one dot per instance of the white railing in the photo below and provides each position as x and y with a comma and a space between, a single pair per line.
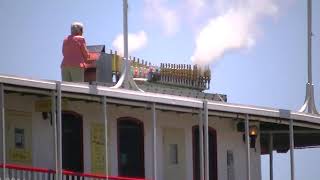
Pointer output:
18, 172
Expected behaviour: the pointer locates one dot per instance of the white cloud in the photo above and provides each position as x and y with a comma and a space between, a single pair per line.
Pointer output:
157, 11
136, 41
196, 6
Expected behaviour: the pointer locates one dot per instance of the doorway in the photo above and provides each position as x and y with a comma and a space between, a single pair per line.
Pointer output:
213, 171
72, 142
130, 148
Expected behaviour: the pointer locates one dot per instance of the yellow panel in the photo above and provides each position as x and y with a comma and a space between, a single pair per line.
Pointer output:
114, 63
97, 148
44, 105
19, 145
20, 155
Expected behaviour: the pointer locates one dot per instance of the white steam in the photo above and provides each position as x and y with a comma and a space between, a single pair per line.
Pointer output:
234, 29
136, 41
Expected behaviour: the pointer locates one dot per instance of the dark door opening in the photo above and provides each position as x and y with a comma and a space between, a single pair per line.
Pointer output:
130, 148
213, 171
72, 147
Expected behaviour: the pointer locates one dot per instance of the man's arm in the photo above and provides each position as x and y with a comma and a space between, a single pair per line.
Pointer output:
84, 50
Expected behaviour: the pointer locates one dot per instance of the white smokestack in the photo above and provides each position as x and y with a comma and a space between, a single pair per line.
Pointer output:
234, 29
136, 41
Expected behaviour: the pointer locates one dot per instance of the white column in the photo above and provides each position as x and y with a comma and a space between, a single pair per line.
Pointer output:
201, 145
105, 120
292, 150
154, 123
55, 130
271, 155
248, 147
3, 128
59, 123
206, 139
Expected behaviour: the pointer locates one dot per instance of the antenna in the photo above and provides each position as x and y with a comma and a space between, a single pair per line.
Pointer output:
309, 105
126, 79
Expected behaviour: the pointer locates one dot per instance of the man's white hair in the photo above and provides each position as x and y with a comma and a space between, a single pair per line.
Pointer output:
76, 28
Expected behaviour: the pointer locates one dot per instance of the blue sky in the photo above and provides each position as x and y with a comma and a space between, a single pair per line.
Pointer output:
271, 73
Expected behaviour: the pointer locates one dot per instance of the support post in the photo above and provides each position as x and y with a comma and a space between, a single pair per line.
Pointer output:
271, 155
154, 123
55, 130
206, 139
248, 147
105, 120
3, 128
201, 145
59, 123
292, 150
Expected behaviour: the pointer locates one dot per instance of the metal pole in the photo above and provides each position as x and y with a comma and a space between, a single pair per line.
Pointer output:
248, 147
126, 79
309, 104
206, 139
310, 41
125, 39
154, 117
59, 123
3, 127
271, 155
105, 119
292, 150
201, 145
54, 122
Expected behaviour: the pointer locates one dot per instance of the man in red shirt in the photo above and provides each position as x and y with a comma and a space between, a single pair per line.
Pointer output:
75, 54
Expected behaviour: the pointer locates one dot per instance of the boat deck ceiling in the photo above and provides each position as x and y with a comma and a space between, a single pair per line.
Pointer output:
303, 137
163, 101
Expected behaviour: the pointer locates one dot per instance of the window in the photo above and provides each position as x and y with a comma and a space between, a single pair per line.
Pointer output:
173, 154
19, 138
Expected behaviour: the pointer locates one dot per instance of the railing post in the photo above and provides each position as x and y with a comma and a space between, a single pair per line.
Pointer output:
206, 139
105, 119
248, 147
154, 123
292, 150
3, 128
59, 123
54, 122
201, 144
271, 156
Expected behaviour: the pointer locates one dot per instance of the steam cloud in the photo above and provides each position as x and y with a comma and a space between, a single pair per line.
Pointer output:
234, 29
136, 41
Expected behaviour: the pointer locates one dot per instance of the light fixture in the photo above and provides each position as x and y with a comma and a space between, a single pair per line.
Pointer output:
253, 133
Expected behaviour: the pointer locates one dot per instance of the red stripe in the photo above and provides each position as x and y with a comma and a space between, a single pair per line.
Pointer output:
43, 170
25, 168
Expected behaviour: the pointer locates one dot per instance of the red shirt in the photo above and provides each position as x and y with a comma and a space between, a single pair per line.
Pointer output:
74, 52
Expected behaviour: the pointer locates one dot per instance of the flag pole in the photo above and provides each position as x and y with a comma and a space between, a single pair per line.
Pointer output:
309, 104
126, 79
